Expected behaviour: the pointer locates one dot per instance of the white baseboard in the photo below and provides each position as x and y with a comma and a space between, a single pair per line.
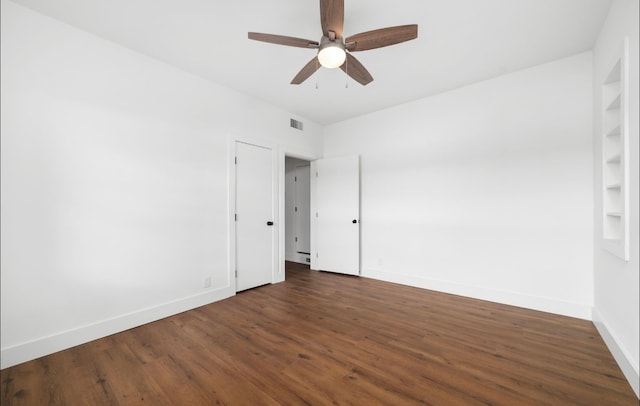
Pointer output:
27, 351
625, 362
578, 310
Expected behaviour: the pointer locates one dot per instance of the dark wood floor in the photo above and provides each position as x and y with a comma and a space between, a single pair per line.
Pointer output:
322, 339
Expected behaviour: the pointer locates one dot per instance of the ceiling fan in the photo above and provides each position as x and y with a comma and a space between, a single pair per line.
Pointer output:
333, 50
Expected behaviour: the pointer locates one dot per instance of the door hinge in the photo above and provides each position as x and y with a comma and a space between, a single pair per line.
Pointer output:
295, 209
295, 178
316, 214
316, 174
296, 239
235, 217
236, 273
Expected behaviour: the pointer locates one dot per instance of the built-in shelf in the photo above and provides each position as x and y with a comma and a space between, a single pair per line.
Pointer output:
614, 105
614, 159
614, 132
614, 76
615, 152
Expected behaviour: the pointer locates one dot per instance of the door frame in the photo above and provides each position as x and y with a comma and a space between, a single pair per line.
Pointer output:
231, 205
283, 153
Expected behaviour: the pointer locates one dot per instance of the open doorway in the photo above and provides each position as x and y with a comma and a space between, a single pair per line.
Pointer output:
297, 211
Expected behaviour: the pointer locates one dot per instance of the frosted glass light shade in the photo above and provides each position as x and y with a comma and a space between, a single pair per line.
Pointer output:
331, 56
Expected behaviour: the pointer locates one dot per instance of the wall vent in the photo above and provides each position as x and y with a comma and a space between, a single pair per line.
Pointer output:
298, 125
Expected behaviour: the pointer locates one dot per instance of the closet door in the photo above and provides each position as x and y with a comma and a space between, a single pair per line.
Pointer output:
254, 216
336, 217
302, 209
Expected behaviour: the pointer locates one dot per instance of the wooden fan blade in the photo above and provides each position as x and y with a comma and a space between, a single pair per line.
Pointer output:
356, 70
332, 17
308, 70
381, 38
283, 40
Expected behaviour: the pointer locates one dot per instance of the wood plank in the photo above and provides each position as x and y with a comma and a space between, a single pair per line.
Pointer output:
322, 338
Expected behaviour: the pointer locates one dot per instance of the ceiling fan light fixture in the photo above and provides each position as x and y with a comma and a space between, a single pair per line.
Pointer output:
332, 55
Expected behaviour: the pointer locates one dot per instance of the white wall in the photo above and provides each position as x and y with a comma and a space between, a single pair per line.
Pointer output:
485, 191
114, 184
616, 300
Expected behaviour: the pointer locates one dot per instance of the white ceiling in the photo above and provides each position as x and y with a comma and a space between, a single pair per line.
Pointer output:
459, 42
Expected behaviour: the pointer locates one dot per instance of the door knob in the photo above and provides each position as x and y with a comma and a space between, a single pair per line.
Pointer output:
355, 221
269, 223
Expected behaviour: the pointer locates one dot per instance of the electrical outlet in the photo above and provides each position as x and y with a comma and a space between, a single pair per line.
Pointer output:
206, 282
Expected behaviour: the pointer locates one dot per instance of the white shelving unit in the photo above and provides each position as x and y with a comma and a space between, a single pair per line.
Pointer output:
615, 152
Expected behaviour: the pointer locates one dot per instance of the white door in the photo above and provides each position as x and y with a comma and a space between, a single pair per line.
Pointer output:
302, 209
254, 216
336, 197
